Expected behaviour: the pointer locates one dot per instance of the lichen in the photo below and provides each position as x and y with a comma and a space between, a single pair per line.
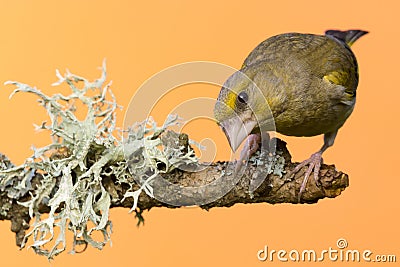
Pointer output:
149, 154
81, 154
267, 163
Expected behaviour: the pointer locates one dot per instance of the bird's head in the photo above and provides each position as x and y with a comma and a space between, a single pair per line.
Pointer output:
241, 108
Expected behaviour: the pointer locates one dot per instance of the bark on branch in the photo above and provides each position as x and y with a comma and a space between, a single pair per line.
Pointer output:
273, 190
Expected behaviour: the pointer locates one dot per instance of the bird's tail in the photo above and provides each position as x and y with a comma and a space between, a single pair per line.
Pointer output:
349, 37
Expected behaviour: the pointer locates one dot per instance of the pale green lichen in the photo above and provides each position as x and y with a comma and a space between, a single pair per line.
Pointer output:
72, 166
148, 156
267, 163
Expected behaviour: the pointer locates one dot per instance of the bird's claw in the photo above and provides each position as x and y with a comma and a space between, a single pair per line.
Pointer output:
314, 163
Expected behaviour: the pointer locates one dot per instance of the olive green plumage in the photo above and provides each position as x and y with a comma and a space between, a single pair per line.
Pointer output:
309, 82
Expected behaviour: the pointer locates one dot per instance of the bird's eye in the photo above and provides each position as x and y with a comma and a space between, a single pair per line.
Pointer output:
243, 97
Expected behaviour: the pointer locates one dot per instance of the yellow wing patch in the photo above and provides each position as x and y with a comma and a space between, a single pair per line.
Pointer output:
337, 77
341, 78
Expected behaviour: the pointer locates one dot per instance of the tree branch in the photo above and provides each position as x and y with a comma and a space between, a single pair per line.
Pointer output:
273, 190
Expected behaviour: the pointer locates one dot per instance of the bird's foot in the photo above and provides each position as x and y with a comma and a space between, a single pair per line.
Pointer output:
314, 163
251, 146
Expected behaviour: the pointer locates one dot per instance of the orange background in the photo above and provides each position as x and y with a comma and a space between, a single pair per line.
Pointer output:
143, 37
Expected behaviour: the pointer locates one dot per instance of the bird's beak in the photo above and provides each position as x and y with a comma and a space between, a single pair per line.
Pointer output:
237, 130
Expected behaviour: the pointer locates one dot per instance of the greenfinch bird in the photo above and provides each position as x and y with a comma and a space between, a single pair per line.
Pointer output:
295, 84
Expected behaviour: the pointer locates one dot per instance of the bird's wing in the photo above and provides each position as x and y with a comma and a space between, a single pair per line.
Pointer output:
310, 55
